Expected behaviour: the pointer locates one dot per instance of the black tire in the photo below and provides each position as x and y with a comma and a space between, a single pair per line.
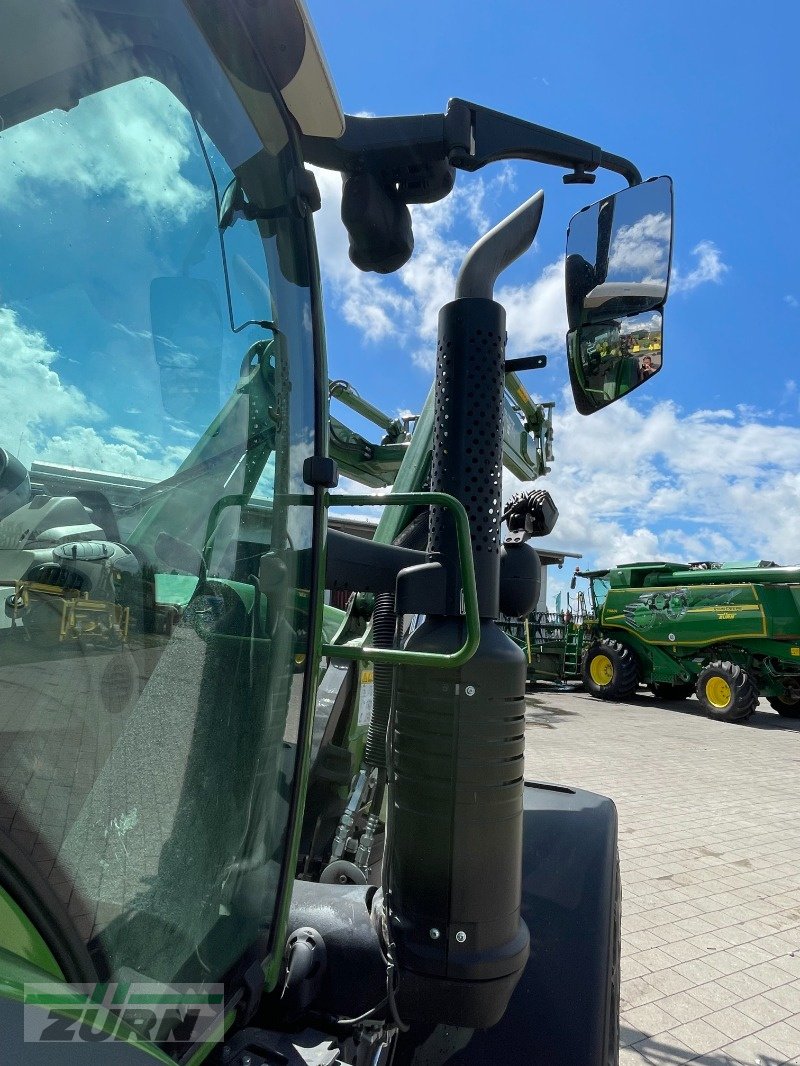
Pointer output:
786, 706
726, 692
610, 670
664, 690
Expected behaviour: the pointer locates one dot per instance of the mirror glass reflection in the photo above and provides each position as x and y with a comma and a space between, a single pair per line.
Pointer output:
611, 359
618, 254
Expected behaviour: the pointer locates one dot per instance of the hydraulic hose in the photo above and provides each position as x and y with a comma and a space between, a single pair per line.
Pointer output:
384, 621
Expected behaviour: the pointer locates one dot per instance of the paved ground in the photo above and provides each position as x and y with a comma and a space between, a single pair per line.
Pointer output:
710, 851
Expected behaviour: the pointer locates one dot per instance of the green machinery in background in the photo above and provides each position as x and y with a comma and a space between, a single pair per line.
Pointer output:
727, 632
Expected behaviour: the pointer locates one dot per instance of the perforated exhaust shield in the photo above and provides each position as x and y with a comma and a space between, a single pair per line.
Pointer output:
458, 741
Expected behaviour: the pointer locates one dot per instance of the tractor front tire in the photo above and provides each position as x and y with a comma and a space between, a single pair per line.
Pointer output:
786, 706
610, 670
664, 690
726, 692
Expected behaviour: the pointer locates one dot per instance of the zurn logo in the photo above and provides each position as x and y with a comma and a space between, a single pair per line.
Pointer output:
129, 1011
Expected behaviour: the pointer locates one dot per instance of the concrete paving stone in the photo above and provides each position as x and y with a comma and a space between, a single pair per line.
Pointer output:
638, 991
643, 940
787, 995
725, 961
669, 982
715, 995
764, 1010
637, 922
629, 1056
628, 1035
736, 935
699, 971
649, 1018
684, 1006
753, 1051
733, 1023
669, 915
691, 927
783, 1037
693, 808
772, 974
632, 968
715, 1058
699, 1035
683, 951
659, 1050
743, 985
685, 910
753, 953
655, 959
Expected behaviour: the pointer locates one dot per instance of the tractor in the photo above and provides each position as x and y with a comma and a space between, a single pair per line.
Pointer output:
238, 826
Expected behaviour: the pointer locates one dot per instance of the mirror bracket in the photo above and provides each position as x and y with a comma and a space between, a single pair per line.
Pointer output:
579, 176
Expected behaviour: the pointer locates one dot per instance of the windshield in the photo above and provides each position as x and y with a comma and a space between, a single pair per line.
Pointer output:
600, 587
154, 525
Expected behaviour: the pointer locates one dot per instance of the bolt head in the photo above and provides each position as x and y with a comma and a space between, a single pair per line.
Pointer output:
434, 934
470, 690
461, 936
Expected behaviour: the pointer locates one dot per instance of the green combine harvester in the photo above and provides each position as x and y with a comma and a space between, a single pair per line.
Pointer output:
727, 632
238, 826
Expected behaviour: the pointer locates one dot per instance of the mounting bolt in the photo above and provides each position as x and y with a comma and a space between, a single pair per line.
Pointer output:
461, 936
470, 690
434, 934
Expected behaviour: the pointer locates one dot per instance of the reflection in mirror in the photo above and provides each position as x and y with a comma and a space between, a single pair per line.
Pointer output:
610, 359
618, 254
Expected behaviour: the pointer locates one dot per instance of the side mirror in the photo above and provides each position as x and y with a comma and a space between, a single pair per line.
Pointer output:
186, 321
619, 253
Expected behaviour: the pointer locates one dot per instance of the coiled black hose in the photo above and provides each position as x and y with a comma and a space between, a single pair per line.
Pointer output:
383, 627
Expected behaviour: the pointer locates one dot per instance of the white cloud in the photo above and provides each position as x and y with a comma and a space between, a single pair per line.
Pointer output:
82, 446
133, 139
45, 418
639, 251
33, 392
792, 301
659, 484
403, 309
709, 267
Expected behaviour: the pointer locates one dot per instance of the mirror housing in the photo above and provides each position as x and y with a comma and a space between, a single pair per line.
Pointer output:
619, 254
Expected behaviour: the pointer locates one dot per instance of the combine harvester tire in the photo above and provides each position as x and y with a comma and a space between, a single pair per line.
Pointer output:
610, 670
726, 692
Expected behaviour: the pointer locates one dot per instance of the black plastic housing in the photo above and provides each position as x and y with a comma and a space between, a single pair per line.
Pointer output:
564, 1009
456, 857
456, 777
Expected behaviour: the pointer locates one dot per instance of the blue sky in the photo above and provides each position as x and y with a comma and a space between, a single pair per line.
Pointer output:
703, 462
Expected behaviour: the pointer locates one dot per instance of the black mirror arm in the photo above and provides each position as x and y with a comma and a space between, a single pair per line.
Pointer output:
480, 136
468, 136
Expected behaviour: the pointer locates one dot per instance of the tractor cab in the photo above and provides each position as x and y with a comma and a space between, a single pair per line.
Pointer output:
160, 348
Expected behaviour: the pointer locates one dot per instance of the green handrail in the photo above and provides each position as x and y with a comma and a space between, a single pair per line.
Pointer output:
396, 656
